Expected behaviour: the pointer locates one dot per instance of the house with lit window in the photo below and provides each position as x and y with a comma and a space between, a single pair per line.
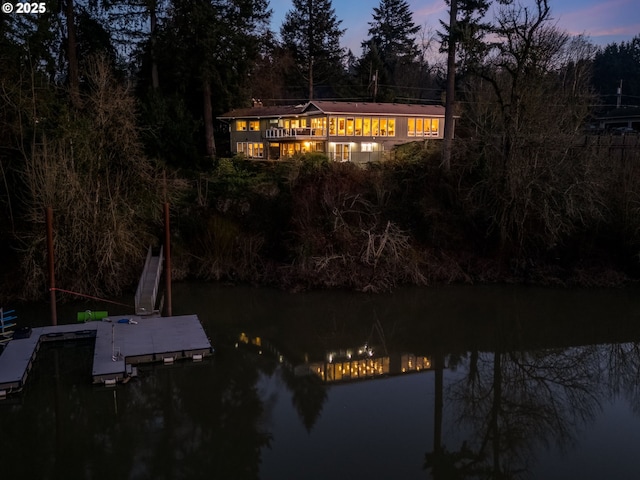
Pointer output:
345, 131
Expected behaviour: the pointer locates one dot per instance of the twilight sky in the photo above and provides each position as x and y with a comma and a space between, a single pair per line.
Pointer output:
603, 21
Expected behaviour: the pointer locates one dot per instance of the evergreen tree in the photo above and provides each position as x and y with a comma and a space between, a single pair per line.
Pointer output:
312, 32
615, 63
390, 52
393, 31
206, 50
468, 33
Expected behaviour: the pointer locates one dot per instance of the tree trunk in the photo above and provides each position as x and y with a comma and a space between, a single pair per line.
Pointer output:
208, 118
72, 56
155, 81
451, 85
311, 77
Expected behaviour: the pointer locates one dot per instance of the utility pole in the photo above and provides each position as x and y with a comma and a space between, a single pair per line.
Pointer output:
52, 277
619, 101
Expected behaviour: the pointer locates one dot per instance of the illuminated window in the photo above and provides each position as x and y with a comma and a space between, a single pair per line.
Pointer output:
375, 127
366, 147
350, 122
254, 125
318, 126
366, 127
332, 126
423, 127
241, 125
250, 150
359, 126
341, 152
391, 131
435, 126
341, 126
383, 127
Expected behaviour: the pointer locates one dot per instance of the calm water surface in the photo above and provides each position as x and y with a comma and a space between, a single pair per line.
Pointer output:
444, 383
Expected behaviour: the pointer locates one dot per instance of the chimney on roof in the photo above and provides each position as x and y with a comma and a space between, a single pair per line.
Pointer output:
256, 102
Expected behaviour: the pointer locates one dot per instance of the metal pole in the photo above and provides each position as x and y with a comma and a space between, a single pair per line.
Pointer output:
167, 253
52, 277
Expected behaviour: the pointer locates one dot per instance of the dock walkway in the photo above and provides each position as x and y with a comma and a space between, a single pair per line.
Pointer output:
119, 343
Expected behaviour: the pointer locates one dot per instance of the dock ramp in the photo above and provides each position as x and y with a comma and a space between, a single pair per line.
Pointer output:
147, 292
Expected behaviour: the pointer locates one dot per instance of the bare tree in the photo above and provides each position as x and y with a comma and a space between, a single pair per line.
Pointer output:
527, 115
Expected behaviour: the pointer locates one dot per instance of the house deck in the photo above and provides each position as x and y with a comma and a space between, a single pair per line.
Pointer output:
120, 343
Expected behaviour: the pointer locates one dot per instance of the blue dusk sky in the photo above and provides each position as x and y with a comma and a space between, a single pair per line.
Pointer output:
603, 22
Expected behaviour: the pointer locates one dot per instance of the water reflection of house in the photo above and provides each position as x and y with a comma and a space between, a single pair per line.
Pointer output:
363, 366
344, 365
357, 132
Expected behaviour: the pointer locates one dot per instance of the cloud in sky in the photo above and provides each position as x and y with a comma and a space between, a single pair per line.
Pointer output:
602, 21
613, 20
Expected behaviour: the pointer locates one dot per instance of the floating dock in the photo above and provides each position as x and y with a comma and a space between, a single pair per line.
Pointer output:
120, 344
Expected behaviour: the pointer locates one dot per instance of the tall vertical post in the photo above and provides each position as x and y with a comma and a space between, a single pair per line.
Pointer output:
167, 253
447, 142
52, 277
619, 96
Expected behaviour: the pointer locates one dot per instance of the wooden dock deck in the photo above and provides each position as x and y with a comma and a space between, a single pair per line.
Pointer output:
120, 342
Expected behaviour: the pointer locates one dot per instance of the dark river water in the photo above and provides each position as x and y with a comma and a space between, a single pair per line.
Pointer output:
444, 383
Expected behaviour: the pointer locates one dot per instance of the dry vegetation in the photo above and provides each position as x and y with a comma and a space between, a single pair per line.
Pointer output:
105, 194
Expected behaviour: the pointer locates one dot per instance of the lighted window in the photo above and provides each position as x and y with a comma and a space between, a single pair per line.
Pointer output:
391, 127
341, 152
366, 127
435, 126
375, 127
350, 124
254, 125
241, 125
318, 126
366, 147
332, 126
383, 127
358, 126
250, 150
341, 126
423, 127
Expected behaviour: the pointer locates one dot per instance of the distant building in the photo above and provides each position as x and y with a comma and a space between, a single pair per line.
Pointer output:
344, 131
619, 118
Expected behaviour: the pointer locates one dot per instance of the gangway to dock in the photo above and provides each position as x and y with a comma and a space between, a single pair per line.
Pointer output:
147, 292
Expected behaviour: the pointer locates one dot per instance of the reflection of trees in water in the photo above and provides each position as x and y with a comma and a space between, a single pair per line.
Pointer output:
622, 365
172, 423
509, 403
308, 396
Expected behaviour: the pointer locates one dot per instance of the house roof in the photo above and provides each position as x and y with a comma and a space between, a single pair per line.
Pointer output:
377, 108
264, 112
623, 112
337, 108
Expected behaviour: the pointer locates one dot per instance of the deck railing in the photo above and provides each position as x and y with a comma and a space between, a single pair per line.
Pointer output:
298, 133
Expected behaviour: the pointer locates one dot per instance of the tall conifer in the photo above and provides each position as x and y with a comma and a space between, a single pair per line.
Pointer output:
312, 32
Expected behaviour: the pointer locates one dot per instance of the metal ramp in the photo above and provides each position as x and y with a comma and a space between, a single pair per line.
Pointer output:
147, 292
